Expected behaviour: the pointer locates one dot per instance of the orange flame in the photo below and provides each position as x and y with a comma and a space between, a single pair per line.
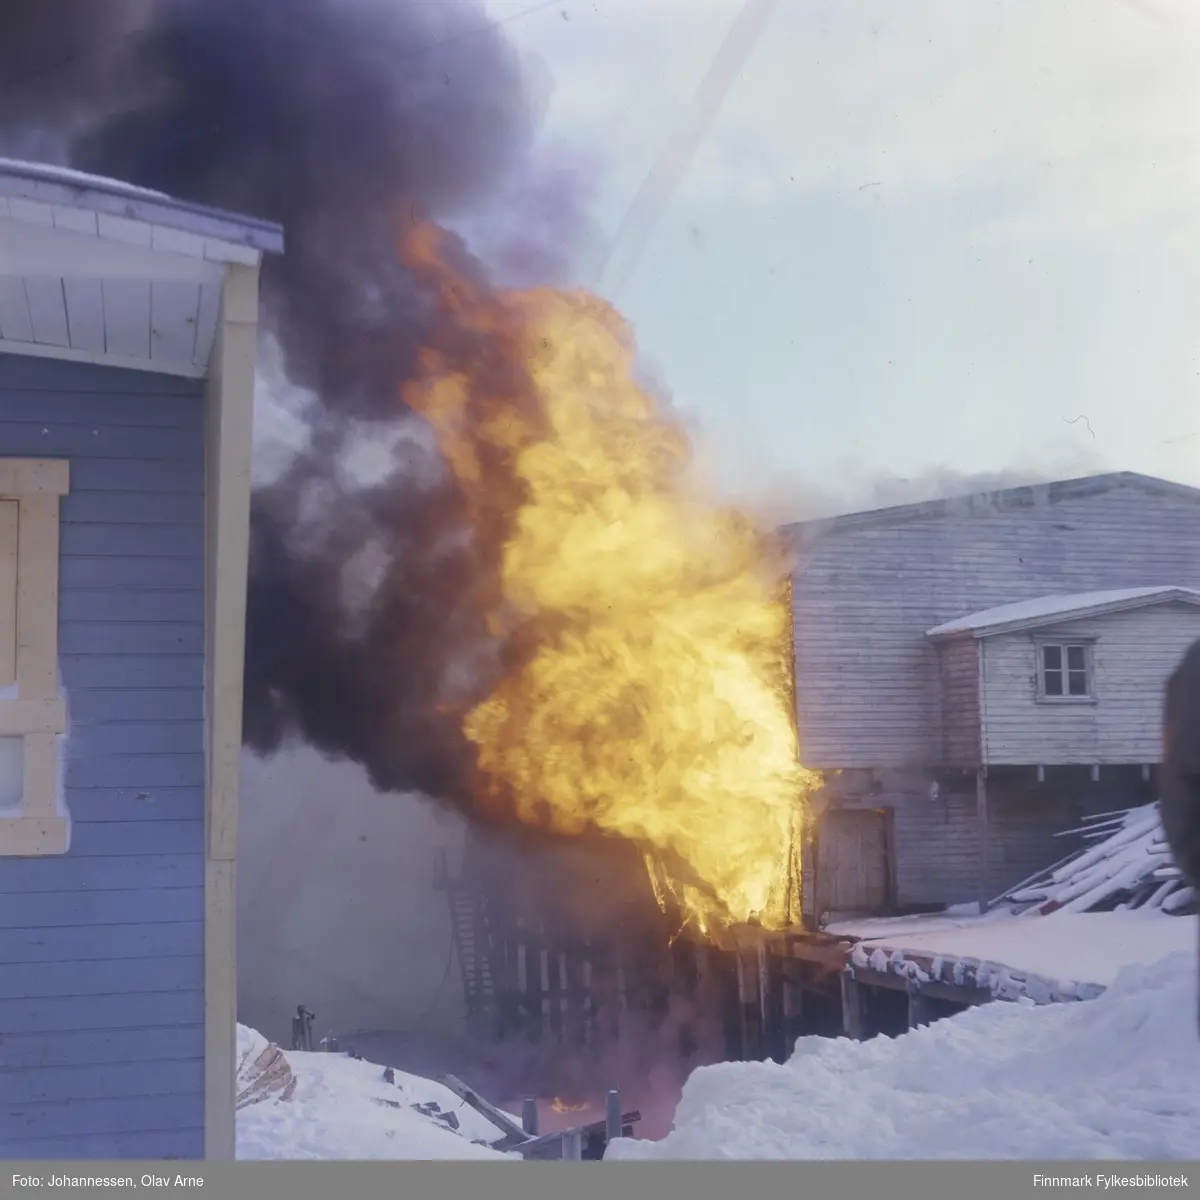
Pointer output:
654, 700
559, 1105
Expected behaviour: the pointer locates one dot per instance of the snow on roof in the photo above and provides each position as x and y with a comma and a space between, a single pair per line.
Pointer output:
50, 184
1028, 614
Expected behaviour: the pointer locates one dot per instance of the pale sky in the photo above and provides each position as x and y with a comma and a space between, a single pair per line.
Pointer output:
918, 236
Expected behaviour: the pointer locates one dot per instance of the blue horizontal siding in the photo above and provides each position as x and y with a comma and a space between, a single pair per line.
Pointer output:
133, 804
107, 873
73, 944
136, 737
161, 839
106, 704
114, 671
136, 770
19, 374
89, 1118
129, 508
125, 906
134, 541
148, 1145
112, 571
102, 979
183, 606
131, 637
110, 1081
95, 1047
137, 475
163, 1010
73, 407
34, 439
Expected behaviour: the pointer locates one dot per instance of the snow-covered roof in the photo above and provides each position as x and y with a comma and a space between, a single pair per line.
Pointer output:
1044, 610
984, 503
54, 185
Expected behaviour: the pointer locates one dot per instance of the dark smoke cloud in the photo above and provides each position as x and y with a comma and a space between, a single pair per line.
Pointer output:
342, 120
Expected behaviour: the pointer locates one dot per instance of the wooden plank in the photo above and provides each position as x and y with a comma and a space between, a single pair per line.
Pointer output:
207, 315
85, 314
127, 317
105, 873
70, 1013
137, 737
107, 1081
94, 1117
37, 596
174, 311
91, 1047
141, 541
100, 977
982, 820
141, 770
82, 945
131, 508
132, 637
146, 1145
16, 324
48, 311
141, 475
486, 1109
92, 807
183, 605
127, 906
32, 716
8, 593
115, 670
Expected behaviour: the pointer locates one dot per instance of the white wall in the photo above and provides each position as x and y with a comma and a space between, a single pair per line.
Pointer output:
335, 905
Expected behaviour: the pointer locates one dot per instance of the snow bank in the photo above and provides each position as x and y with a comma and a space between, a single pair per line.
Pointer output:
1116, 1077
342, 1108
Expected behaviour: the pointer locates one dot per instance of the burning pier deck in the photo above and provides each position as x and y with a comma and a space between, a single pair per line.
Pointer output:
530, 976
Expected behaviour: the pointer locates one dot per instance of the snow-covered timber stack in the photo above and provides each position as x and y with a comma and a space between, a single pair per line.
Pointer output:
1127, 866
263, 1071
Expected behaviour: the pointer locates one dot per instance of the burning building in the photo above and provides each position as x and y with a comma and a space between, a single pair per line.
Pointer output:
537, 614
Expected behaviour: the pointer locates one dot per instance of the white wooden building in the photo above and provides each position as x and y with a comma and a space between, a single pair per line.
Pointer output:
976, 675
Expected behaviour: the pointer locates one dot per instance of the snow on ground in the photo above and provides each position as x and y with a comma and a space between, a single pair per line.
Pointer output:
343, 1109
1115, 1077
1070, 947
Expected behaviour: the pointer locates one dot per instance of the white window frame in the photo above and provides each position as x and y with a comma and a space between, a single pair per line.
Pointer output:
31, 704
1064, 645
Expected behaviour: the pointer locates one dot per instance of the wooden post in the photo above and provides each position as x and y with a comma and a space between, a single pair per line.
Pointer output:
853, 1014
918, 1006
572, 1145
793, 1004
981, 820
529, 1115
612, 1115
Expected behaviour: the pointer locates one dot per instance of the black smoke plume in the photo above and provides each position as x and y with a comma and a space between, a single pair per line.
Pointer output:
340, 119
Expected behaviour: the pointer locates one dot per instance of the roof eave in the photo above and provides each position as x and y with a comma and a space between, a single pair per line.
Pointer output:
1177, 596
36, 182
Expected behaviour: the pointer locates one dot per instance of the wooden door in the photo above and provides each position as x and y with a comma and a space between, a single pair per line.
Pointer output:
853, 871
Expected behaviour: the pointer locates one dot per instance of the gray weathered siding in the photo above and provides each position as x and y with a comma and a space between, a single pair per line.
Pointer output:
958, 677
1132, 655
865, 593
101, 951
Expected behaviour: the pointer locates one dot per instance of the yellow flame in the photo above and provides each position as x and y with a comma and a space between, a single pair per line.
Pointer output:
655, 703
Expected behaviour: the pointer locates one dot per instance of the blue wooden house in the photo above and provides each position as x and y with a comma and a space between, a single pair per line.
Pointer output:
128, 341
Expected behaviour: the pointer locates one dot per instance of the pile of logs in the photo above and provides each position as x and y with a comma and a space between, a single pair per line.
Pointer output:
1128, 865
